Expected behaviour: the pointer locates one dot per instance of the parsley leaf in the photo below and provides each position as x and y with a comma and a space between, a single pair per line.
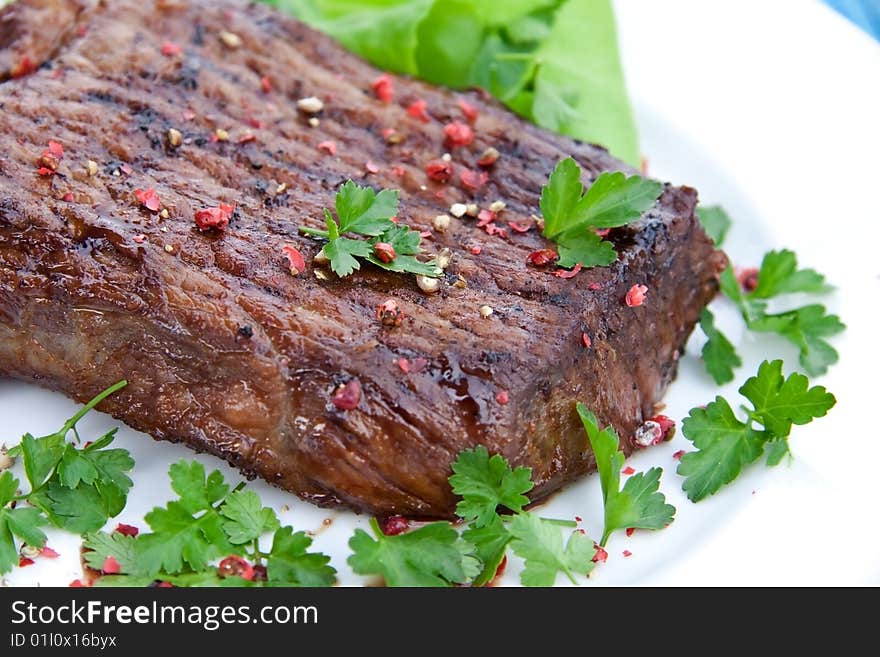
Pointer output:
77, 510
343, 253
716, 222
40, 456
205, 523
779, 402
718, 353
180, 540
490, 544
361, 211
22, 521
290, 564
806, 327
726, 444
245, 517
100, 545
428, 556
540, 542
197, 492
73, 488
570, 215
779, 275
486, 483
639, 504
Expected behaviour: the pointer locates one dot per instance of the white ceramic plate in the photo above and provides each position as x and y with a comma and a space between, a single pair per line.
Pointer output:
773, 110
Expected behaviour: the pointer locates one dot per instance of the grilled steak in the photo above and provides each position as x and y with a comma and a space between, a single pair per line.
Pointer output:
229, 352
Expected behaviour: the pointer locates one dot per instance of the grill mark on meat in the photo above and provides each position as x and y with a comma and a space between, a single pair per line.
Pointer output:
171, 324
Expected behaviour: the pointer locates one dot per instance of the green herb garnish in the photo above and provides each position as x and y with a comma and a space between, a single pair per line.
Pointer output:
716, 222
71, 487
205, 523
361, 211
571, 216
639, 504
807, 327
727, 444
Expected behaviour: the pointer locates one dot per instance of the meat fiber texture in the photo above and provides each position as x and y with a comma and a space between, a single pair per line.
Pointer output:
223, 347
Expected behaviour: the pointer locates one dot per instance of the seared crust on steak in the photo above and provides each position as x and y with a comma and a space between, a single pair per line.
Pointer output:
228, 352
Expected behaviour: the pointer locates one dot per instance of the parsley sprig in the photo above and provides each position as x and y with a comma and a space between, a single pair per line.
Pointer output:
71, 487
361, 211
206, 522
725, 444
807, 327
435, 554
639, 504
571, 217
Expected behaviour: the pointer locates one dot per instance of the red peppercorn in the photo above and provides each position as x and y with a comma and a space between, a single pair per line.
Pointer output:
485, 217
260, 573
48, 552
77, 584
601, 555
565, 273
542, 257
170, 49
393, 525
419, 109
473, 179
347, 396
148, 198
25, 66
215, 217
265, 84
50, 159
502, 397
677, 455
390, 315
628, 470
627, 553
383, 87
235, 566
294, 259
110, 566
126, 530
520, 227
748, 278
470, 112
492, 229
384, 251
488, 158
25, 561
458, 134
439, 170
630, 531
667, 426
636, 295
585, 340
328, 146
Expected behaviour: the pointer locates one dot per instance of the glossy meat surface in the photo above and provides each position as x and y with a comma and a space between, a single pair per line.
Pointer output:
228, 352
